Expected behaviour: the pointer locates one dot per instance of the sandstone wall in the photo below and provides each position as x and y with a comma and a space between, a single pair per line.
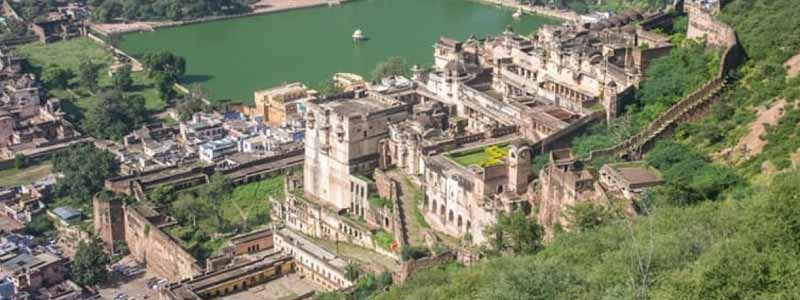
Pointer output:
160, 253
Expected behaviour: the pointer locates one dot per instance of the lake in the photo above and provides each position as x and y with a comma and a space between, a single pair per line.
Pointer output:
235, 57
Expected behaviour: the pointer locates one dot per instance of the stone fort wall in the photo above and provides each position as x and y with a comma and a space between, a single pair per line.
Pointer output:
160, 253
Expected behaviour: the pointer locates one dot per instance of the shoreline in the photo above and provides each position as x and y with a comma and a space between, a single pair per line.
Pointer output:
106, 29
561, 14
289, 5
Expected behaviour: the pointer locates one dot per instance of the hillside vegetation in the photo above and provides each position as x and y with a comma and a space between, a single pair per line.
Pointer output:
718, 229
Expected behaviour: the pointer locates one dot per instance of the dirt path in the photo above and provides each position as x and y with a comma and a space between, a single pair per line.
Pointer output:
793, 66
752, 144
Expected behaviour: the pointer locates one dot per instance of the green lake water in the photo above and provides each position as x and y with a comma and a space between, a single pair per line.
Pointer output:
235, 57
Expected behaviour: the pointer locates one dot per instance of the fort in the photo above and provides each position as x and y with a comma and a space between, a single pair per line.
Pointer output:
464, 135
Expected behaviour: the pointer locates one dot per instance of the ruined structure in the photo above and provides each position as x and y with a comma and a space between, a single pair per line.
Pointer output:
109, 219
148, 243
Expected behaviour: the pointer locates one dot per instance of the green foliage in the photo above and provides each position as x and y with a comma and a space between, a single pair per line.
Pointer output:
89, 263
408, 252
163, 195
328, 88
490, 156
84, 168
379, 202
88, 75
165, 62
122, 80
393, 66
56, 78
20, 161
158, 10
351, 272
586, 216
121, 247
115, 114
218, 207
667, 80
188, 105
383, 239
40, 225
689, 177
515, 233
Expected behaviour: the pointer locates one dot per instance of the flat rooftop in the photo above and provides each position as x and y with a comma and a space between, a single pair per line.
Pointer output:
365, 105
637, 173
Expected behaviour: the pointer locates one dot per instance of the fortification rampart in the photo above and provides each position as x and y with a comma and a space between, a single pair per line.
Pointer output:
696, 103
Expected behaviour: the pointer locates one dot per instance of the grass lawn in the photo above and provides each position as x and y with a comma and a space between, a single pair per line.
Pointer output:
486, 156
69, 55
249, 205
14, 177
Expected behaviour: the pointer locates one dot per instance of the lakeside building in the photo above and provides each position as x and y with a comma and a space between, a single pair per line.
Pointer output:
282, 104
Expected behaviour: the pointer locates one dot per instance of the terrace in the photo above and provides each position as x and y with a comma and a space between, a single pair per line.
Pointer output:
486, 156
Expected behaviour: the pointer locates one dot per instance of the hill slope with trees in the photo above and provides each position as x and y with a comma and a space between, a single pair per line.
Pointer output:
718, 229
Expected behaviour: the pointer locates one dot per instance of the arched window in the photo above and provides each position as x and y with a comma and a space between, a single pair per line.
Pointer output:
450, 216
460, 222
441, 209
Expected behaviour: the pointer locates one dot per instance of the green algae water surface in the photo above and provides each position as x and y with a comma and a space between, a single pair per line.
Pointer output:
235, 57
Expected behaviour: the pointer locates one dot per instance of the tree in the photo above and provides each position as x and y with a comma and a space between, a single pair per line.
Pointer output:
164, 194
122, 79
411, 252
394, 66
328, 88
189, 209
515, 233
587, 216
89, 263
108, 11
20, 161
351, 272
84, 168
88, 74
39, 225
165, 62
188, 105
115, 114
56, 78
164, 85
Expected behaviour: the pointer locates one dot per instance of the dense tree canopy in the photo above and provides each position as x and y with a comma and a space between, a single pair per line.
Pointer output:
149, 10
84, 168
115, 114
89, 263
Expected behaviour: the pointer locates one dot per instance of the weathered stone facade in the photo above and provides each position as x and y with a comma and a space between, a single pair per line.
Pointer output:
563, 183
109, 220
151, 246
462, 200
342, 140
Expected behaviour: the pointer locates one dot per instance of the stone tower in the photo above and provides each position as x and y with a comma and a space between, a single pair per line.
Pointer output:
109, 220
519, 167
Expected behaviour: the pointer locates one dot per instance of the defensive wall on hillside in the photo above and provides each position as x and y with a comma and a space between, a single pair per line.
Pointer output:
702, 25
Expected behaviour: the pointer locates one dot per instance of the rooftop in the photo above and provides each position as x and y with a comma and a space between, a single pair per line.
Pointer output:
67, 213
636, 173
484, 156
